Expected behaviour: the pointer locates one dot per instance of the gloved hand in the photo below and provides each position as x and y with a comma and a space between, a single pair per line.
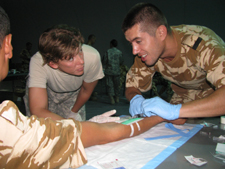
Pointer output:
136, 105
105, 117
75, 116
161, 108
79, 116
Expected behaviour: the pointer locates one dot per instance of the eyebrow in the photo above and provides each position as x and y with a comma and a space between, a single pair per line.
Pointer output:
135, 39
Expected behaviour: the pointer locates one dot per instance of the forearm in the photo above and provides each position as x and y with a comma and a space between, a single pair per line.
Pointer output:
210, 106
109, 132
146, 124
43, 113
82, 98
38, 104
131, 92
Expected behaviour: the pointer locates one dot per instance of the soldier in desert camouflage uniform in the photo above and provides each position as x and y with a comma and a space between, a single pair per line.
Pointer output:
165, 85
191, 57
31, 142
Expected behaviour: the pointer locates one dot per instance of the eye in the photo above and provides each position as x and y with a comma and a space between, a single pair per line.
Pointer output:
71, 59
138, 41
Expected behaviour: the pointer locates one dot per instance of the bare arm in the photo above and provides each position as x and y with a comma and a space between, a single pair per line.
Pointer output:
101, 133
38, 103
84, 94
210, 106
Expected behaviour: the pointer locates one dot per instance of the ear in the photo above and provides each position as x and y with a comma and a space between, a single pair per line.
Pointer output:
161, 32
8, 46
53, 65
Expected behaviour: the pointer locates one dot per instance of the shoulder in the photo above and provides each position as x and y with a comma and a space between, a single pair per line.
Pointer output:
37, 55
189, 34
114, 50
89, 51
37, 58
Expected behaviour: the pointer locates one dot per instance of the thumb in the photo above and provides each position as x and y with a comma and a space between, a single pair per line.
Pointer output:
108, 113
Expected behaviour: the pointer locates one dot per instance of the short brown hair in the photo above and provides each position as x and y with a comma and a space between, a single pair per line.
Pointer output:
59, 42
148, 16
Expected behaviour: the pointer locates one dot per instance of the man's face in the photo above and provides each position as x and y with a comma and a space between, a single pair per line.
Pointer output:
148, 47
73, 66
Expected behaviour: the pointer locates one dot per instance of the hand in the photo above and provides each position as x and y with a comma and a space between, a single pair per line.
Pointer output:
136, 105
79, 116
105, 117
161, 108
75, 116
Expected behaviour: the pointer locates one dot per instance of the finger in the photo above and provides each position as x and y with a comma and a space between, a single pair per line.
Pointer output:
108, 113
110, 119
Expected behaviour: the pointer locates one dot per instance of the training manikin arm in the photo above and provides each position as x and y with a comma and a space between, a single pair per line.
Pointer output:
108, 132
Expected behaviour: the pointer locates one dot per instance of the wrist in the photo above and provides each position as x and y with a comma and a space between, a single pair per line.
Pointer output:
72, 110
137, 97
178, 107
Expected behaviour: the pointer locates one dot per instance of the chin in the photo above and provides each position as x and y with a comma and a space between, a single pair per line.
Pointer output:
79, 74
149, 64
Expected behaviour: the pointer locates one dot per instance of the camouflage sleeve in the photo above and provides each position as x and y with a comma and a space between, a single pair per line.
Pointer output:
37, 142
140, 76
212, 60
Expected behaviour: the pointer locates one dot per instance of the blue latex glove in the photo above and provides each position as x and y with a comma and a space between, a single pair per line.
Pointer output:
161, 108
136, 105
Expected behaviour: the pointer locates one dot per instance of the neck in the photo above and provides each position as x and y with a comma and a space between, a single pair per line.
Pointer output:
170, 49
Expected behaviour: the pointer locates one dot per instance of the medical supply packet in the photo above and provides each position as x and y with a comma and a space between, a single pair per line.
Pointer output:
196, 161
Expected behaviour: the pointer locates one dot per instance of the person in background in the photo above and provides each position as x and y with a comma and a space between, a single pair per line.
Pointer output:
191, 57
62, 75
112, 60
91, 40
32, 142
25, 56
123, 71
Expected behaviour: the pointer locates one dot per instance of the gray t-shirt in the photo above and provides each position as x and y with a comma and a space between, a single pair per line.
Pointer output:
58, 81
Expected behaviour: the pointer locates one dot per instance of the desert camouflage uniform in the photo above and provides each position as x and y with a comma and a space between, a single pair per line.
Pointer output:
37, 142
111, 62
158, 80
196, 71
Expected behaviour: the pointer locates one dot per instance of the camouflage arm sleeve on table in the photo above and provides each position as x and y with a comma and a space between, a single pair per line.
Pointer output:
37, 142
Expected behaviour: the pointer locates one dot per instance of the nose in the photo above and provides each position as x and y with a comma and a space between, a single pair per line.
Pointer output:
136, 49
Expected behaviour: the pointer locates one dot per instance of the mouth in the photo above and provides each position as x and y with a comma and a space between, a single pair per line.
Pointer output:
80, 69
143, 56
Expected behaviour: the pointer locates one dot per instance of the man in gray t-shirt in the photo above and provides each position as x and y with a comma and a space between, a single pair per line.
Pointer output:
62, 75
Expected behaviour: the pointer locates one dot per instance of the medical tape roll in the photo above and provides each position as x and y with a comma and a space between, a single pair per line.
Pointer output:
222, 119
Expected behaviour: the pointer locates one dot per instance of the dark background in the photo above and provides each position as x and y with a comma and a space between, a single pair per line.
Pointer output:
29, 18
